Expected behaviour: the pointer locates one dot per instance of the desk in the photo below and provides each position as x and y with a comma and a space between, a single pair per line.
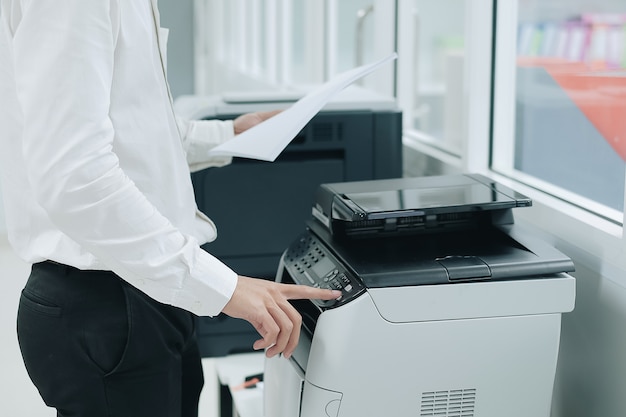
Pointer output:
232, 370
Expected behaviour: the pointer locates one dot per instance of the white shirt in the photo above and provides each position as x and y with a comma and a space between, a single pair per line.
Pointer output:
95, 168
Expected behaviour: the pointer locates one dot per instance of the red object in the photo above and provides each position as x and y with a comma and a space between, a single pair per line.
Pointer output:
599, 94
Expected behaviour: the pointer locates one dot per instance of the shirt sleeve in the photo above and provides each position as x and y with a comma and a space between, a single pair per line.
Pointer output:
200, 136
64, 65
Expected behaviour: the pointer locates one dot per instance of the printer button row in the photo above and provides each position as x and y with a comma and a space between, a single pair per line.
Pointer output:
335, 285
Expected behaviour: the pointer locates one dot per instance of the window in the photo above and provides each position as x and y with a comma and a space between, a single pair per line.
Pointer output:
359, 32
444, 83
560, 99
287, 45
482, 84
435, 30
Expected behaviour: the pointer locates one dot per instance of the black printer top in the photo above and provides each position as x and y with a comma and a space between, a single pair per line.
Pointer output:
493, 253
445, 193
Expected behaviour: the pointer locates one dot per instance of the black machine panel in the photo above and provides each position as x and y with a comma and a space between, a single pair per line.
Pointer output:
250, 205
259, 207
309, 262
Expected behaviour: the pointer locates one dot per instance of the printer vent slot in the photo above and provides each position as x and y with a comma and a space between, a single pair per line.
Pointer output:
364, 225
412, 221
455, 217
452, 403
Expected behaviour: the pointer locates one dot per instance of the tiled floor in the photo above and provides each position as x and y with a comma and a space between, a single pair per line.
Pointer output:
18, 396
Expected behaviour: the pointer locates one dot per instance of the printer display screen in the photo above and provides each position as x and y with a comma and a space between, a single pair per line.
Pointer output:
422, 198
323, 267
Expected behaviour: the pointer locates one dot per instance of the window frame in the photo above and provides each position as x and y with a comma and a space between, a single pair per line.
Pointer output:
568, 221
503, 155
477, 94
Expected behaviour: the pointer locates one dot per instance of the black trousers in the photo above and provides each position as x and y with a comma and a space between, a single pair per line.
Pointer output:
94, 346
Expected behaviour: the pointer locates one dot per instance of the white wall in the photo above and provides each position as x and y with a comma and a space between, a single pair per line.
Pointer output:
3, 228
591, 376
177, 15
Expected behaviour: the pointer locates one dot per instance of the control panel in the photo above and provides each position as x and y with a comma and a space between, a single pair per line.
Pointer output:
311, 263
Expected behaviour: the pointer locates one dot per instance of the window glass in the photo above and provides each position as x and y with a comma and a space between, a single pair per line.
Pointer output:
298, 42
435, 35
355, 33
245, 45
569, 94
248, 45
360, 32
304, 38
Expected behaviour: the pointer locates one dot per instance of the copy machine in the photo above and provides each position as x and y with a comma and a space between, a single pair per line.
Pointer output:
447, 308
357, 136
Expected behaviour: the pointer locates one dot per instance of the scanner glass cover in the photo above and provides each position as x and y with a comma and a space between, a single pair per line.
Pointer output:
422, 198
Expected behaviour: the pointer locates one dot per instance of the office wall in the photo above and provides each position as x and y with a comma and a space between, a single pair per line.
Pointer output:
591, 372
591, 375
3, 228
177, 15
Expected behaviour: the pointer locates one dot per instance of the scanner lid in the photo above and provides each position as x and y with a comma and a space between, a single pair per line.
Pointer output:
445, 198
414, 205
403, 197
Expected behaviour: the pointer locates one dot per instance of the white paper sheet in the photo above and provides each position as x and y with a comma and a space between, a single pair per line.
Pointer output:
267, 140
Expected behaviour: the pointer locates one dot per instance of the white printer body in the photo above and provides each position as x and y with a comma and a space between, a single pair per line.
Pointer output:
462, 323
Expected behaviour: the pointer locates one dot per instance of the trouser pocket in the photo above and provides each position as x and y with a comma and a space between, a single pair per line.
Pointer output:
72, 330
97, 347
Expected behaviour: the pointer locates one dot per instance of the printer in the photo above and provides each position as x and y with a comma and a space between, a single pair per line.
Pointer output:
259, 206
448, 308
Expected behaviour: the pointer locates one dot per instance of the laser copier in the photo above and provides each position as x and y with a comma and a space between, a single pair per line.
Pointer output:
357, 136
447, 307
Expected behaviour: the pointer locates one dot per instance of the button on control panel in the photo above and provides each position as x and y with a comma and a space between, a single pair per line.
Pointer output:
310, 263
